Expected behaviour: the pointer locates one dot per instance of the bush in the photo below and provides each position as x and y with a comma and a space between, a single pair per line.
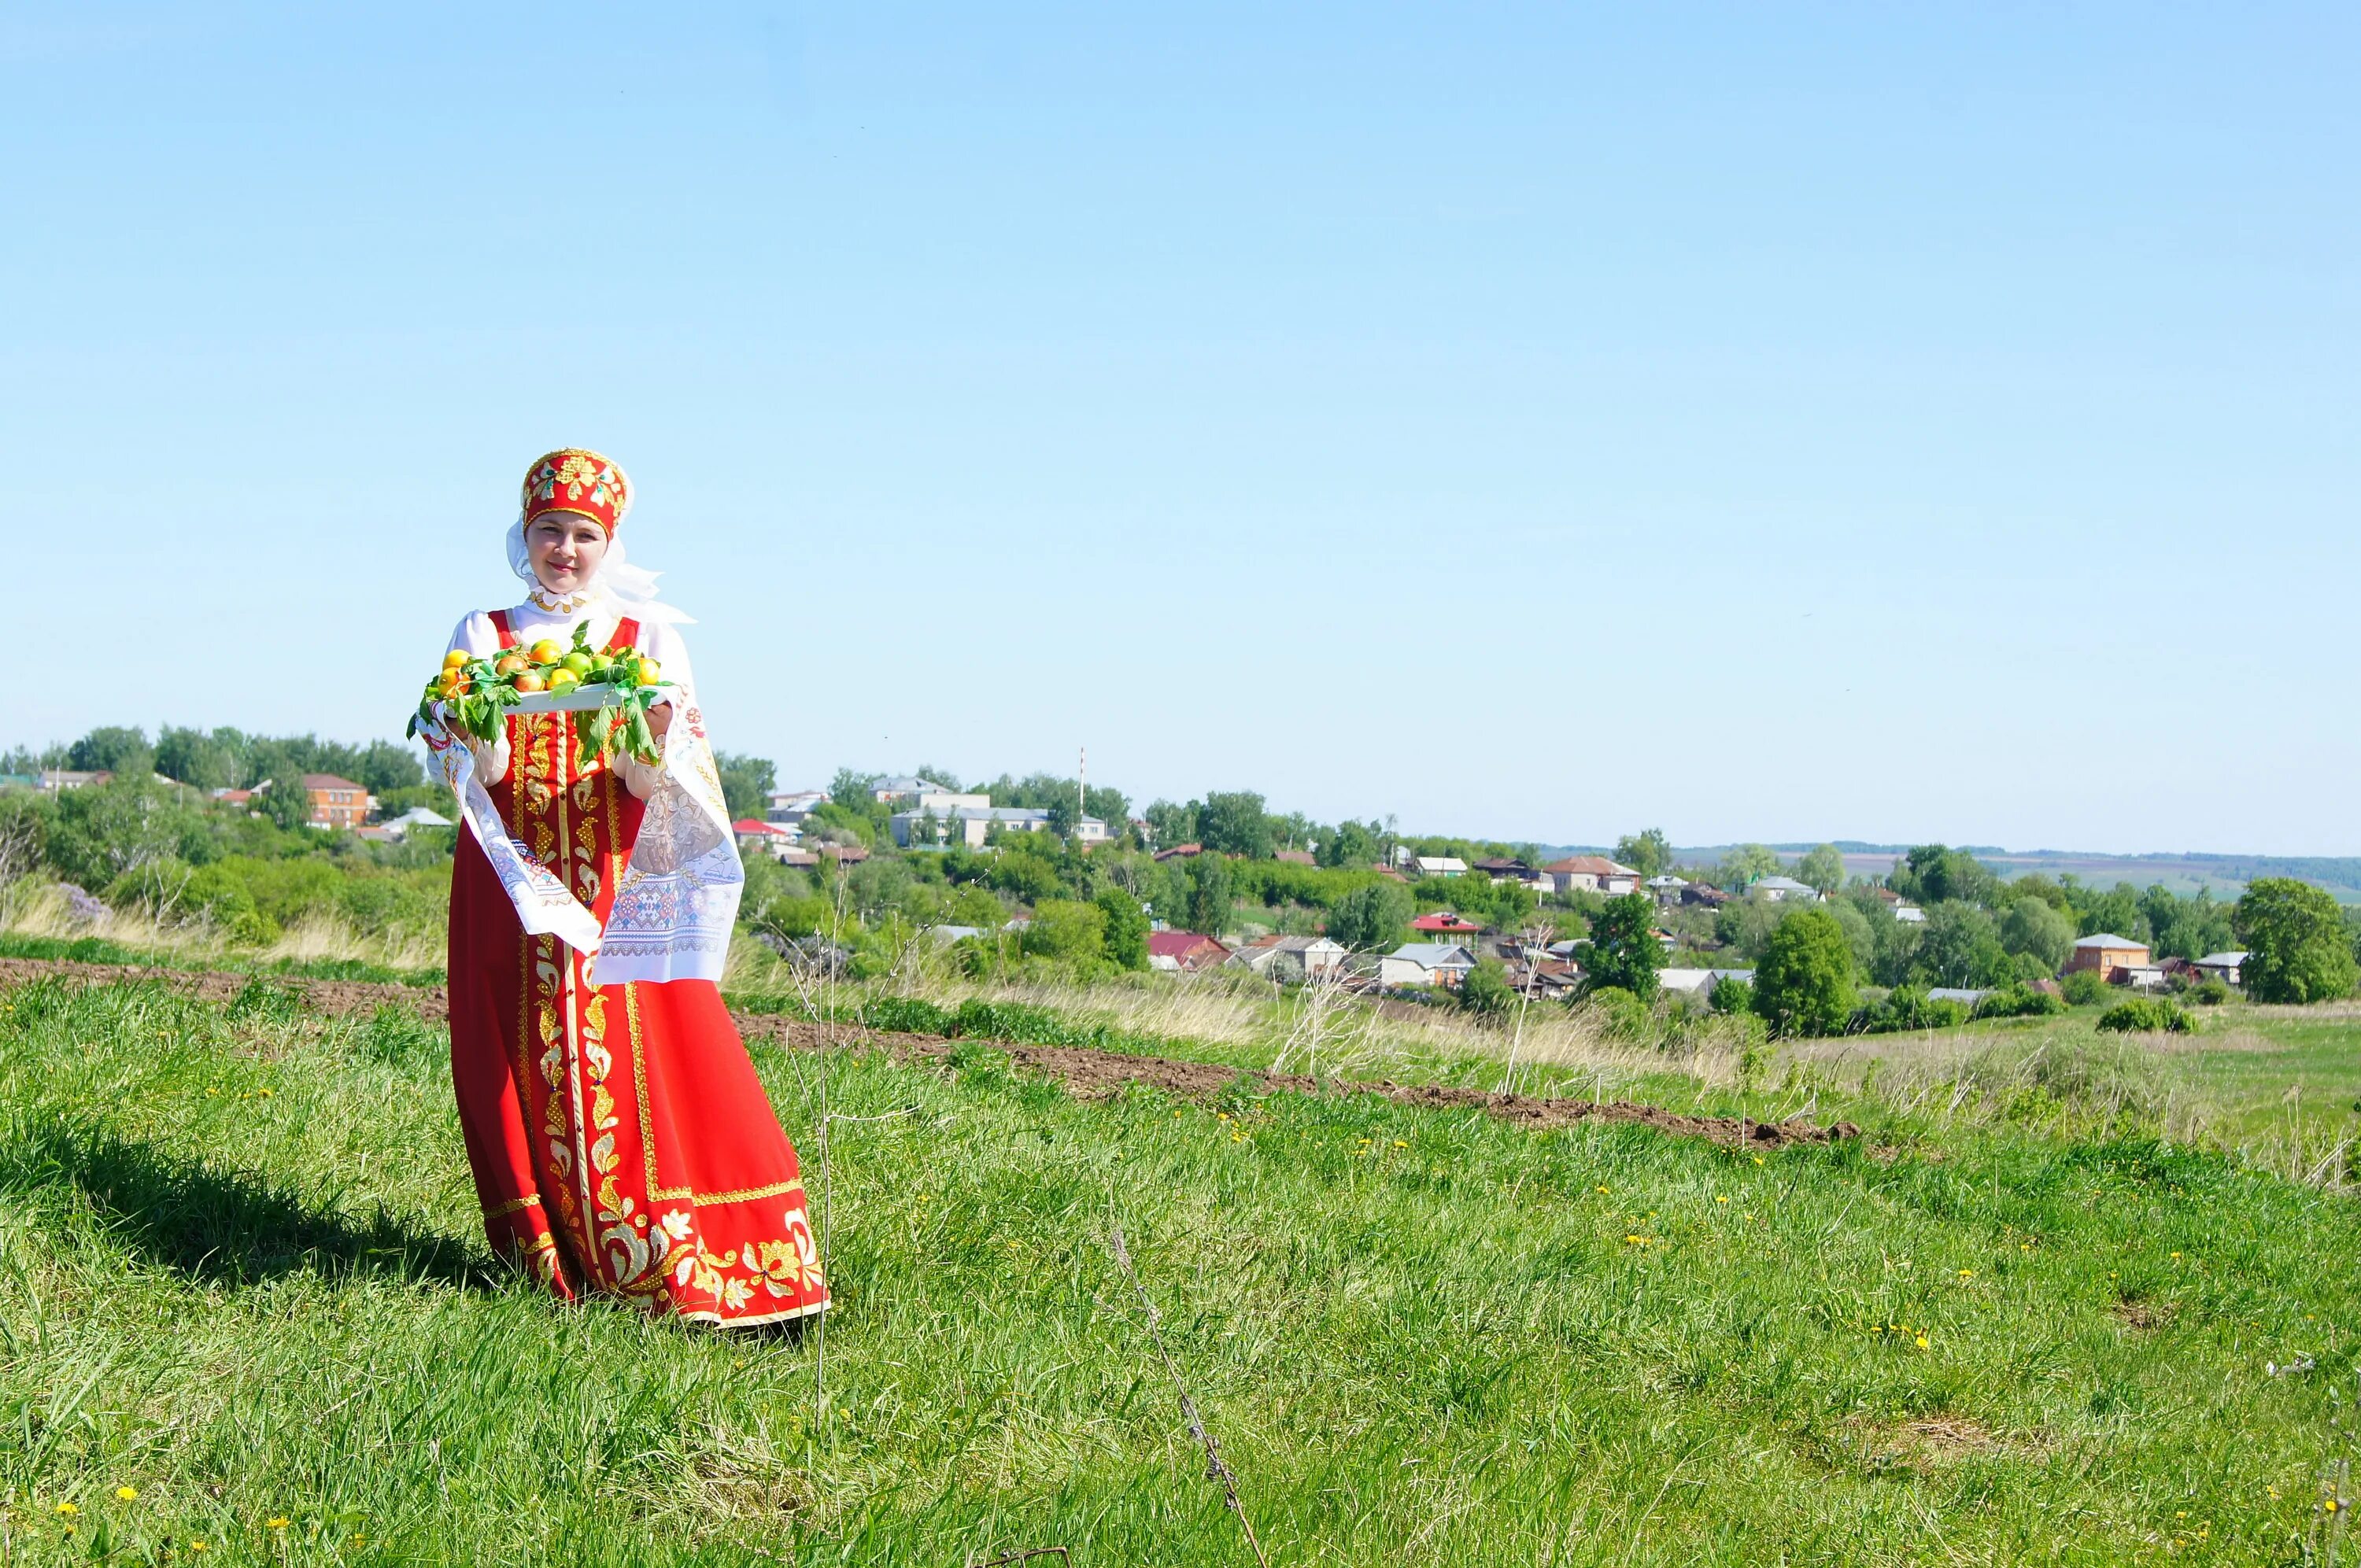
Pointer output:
2020, 1000
1486, 990
2147, 1015
1731, 994
905, 1015
1067, 930
1909, 1007
2084, 988
1619, 1014
2209, 992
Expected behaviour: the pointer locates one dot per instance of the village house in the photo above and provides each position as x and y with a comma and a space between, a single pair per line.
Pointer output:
972, 825
1183, 952
925, 795
2223, 967
1425, 963
762, 838
2110, 956
1504, 871
1666, 889
1291, 958
1188, 852
1439, 865
1591, 873
1545, 980
336, 802
1704, 895
1445, 922
1783, 890
396, 827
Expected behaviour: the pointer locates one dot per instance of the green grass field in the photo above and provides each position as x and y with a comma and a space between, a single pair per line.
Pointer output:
245, 1280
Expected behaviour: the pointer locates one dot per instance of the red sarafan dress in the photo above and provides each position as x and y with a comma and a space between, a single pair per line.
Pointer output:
620, 1142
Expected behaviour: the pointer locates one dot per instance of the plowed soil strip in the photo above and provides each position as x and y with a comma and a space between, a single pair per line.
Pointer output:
1085, 1073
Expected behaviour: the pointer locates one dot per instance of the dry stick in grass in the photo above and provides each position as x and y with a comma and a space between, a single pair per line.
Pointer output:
1215, 1470
1058, 1552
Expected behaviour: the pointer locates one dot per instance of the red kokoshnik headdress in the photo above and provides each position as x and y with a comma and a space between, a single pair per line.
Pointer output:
576, 479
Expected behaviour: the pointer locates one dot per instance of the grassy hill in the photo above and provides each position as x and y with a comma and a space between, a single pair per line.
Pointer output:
245, 1281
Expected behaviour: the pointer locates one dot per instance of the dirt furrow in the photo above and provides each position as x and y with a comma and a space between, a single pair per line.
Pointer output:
1085, 1073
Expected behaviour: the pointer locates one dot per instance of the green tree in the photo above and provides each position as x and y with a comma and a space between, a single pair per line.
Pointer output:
1623, 951
2115, 911
287, 802
194, 758
1209, 893
1935, 874
854, 790
116, 749
746, 784
1232, 822
1351, 844
1959, 945
382, 767
2297, 949
1648, 851
2039, 929
1168, 824
1804, 984
1126, 929
1746, 865
1067, 929
1485, 990
1370, 917
1822, 868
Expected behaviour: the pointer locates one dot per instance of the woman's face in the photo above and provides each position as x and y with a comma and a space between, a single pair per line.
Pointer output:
566, 548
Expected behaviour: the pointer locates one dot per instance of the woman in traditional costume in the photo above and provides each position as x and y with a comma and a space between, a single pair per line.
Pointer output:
620, 1142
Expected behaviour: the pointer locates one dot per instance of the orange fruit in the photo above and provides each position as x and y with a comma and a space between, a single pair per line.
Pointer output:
455, 658
548, 650
650, 671
508, 664
563, 680
530, 681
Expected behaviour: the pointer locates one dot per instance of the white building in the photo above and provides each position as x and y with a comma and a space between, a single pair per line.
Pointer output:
1425, 963
972, 825
1783, 890
2224, 967
1291, 958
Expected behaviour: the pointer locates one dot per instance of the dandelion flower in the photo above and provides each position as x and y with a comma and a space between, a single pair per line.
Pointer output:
1967, 1274
196, 1546
1722, 1199
1400, 1144
266, 1094
280, 1522
129, 1494
1757, 1159
68, 1509
1922, 1342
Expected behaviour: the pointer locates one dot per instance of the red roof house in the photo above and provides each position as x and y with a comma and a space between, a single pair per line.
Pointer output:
1184, 952
1445, 922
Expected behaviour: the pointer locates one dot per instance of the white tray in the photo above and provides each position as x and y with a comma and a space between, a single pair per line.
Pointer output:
581, 699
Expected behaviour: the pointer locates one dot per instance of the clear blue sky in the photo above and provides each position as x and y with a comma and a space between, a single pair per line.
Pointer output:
1897, 423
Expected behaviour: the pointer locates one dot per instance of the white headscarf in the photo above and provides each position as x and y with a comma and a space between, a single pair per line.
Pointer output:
632, 589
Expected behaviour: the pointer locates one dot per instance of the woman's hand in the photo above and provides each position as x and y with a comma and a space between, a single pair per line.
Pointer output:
660, 718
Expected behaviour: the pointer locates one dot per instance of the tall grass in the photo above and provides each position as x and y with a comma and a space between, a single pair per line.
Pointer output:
245, 1283
319, 941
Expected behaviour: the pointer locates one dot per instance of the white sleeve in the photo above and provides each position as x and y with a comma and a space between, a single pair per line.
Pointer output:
659, 642
477, 636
